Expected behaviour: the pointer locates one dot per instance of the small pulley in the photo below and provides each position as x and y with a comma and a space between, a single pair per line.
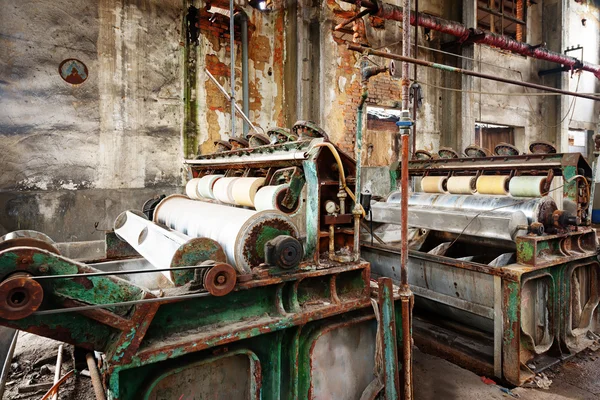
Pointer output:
284, 252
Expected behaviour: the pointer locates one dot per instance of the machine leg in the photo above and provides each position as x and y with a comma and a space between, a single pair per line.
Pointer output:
391, 378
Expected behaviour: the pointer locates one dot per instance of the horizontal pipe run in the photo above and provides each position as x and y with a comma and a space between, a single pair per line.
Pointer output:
476, 35
443, 67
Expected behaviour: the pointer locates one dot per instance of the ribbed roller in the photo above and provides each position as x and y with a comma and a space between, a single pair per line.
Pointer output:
536, 210
241, 232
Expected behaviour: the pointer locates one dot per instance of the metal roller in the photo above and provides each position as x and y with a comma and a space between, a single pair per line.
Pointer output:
501, 225
241, 232
536, 210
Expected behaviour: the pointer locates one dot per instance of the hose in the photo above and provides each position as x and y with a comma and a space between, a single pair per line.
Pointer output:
336, 155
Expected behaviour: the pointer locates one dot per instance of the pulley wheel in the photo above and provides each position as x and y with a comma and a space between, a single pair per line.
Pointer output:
221, 146
20, 296
308, 130
447, 152
220, 279
257, 140
238, 143
28, 238
542, 147
281, 135
506, 149
422, 155
475, 151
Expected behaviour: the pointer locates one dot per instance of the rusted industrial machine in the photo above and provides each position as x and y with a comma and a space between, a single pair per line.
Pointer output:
258, 288
502, 258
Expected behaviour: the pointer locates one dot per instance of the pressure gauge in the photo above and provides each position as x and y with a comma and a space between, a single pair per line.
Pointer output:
331, 207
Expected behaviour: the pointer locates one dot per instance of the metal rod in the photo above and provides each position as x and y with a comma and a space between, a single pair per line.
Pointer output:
229, 98
476, 35
352, 19
13, 336
232, 66
95, 376
443, 67
415, 98
167, 299
57, 369
245, 83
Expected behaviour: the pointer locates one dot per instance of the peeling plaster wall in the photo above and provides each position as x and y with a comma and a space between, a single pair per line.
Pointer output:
74, 155
266, 42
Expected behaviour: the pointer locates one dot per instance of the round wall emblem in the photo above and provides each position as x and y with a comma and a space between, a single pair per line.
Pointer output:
73, 71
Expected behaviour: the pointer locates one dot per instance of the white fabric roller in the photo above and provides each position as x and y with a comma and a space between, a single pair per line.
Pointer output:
223, 190
206, 185
461, 184
267, 197
244, 190
527, 186
191, 189
434, 184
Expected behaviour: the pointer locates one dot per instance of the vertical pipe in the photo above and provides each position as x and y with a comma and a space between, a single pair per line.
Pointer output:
415, 99
245, 90
232, 67
405, 292
57, 370
357, 210
391, 378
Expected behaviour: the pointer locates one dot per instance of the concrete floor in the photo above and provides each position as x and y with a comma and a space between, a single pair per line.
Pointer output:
434, 378
437, 379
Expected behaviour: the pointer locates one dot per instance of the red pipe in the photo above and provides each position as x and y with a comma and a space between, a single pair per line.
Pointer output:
476, 35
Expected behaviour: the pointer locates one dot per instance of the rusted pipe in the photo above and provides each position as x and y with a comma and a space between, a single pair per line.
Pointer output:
406, 312
476, 35
443, 67
352, 19
404, 288
415, 98
95, 375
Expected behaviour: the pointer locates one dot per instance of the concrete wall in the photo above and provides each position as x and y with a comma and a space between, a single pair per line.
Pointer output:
74, 154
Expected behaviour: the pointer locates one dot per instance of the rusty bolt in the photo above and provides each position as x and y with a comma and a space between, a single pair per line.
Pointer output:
43, 269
